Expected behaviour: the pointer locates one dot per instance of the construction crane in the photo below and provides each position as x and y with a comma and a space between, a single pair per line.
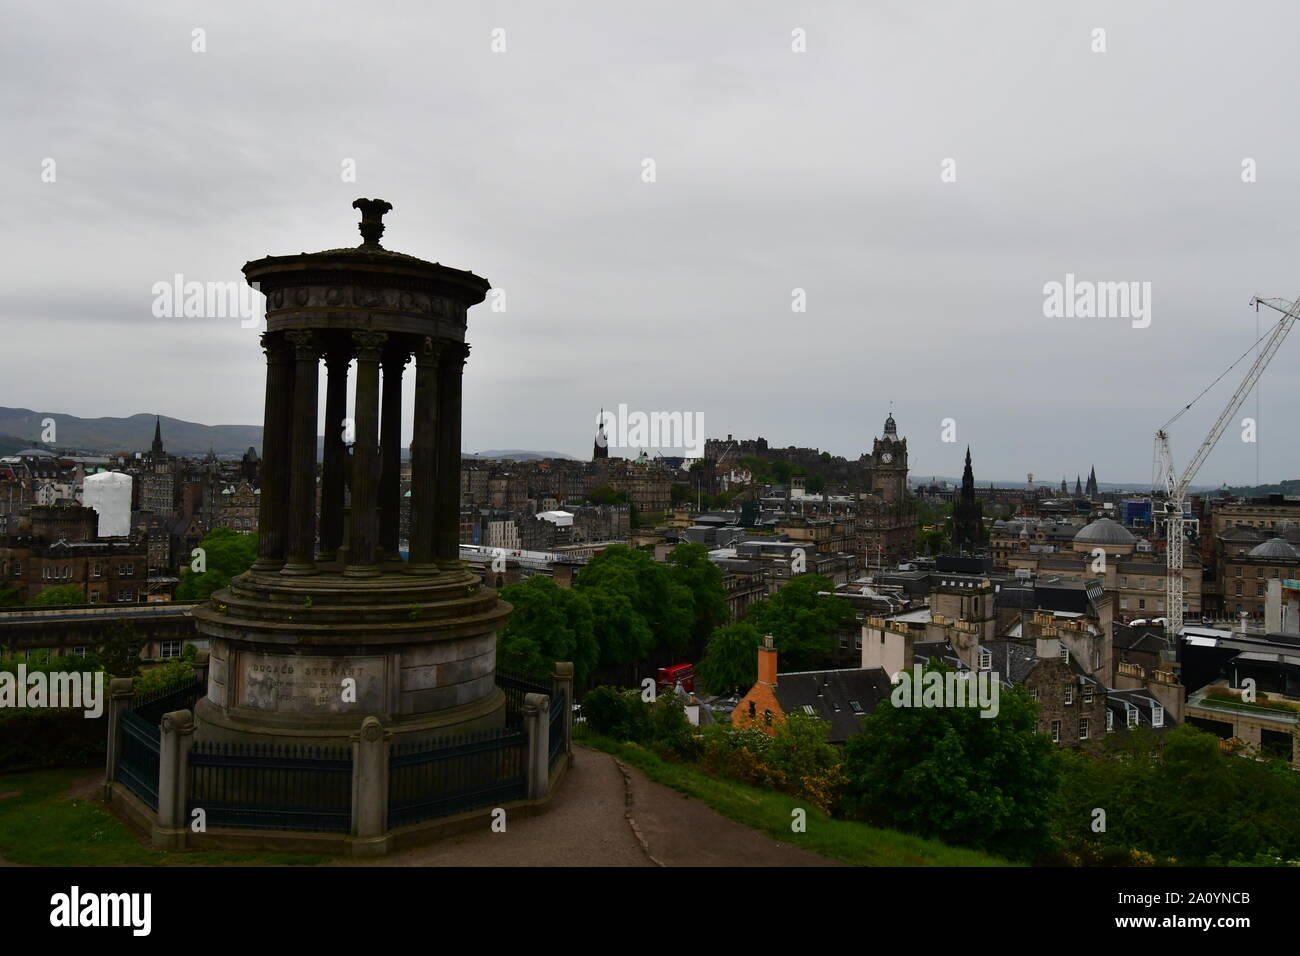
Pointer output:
1174, 487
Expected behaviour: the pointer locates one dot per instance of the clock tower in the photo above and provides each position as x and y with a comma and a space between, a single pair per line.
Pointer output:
886, 519
889, 464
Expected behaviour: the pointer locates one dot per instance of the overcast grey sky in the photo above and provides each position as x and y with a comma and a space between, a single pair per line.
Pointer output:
775, 170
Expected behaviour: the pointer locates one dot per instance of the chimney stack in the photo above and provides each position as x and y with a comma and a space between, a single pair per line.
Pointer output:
767, 662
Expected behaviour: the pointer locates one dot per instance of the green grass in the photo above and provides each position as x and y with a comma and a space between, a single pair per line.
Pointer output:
770, 812
43, 826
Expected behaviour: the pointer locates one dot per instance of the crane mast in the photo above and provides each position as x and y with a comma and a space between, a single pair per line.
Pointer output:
1166, 479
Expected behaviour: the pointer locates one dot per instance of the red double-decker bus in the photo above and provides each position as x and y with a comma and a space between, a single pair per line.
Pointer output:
683, 674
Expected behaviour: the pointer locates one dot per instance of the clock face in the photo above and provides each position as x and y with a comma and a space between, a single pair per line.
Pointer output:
886, 458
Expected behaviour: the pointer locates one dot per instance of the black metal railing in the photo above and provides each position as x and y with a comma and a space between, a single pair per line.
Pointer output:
516, 687
138, 762
267, 786
559, 704
183, 696
454, 774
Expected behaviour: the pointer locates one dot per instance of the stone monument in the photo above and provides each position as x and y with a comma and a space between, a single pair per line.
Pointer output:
332, 625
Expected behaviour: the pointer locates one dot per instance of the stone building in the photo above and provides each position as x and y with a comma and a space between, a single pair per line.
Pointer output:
886, 517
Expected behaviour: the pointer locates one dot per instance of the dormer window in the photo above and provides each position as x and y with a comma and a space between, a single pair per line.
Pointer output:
1065, 654
1157, 715
1132, 716
985, 660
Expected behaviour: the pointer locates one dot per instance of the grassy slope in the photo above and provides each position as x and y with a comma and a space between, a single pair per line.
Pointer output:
42, 826
770, 812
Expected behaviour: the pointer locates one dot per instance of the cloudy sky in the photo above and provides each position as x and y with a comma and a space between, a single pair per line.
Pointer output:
775, 170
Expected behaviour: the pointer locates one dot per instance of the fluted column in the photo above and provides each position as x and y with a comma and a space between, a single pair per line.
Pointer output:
447, 509
390, 453
424, 457
336, 456
363, 525
273, 505
302, 459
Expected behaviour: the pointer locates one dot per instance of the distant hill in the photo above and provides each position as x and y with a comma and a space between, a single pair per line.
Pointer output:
1290, 486
517, 454
9, 444
127, 434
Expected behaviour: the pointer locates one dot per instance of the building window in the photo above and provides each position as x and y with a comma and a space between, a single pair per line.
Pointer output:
1123, 580
1132, 716
767, 717
844, 641
1056, 731
857, 641
1142, 603
1087, 693
1069, 694
1157, 715
1110, 721
94, 597
79, 651
1239, 571
1083, 728
171, 649
753, 712
97, 570
127, 570
1033, 694
986, 660
1065, 653
1238, 589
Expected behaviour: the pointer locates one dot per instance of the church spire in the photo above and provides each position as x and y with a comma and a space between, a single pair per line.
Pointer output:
600, 447
157, 450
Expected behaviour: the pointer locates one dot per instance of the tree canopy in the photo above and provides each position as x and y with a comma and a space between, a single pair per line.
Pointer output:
227, 554
801, 620
951, 774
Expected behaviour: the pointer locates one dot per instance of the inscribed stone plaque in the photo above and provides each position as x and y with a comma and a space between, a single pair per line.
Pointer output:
301, 684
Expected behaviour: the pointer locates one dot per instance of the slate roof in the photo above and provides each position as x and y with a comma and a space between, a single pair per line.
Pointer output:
831, 695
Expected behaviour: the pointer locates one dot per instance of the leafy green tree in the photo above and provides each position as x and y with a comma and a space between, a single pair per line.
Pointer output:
801, 620
618, 714
548, 624
622, 634
730, 660
1165, 797
227, 554
691, 567
120, 650
948, 773
62, 594
10, 597
665, 607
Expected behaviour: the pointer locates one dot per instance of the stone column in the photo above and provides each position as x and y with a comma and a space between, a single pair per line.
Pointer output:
537, 725
370, 748
390, 452
120, 693
562, 683
302, 461
447, 509
273, 509
176, 737
363, 527
424, 457
336, 455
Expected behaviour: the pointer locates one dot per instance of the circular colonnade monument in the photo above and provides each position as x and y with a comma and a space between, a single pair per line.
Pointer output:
331, 624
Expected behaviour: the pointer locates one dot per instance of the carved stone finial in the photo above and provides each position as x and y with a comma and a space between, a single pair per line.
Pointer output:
372, 219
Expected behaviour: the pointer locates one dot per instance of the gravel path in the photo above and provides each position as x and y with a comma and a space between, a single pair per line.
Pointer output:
610, 814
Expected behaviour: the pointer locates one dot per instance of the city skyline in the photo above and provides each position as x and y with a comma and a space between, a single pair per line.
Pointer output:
677, 293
